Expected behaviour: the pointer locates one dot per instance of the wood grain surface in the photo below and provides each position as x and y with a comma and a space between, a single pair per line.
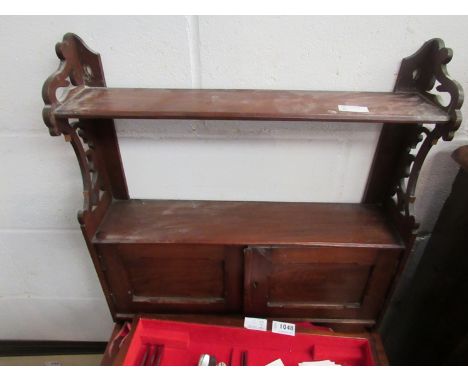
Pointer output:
246, 223
249, 105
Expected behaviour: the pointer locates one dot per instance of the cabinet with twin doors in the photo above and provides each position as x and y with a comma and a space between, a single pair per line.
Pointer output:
333, 264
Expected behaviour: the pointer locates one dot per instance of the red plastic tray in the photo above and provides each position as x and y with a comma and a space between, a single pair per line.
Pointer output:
182, 343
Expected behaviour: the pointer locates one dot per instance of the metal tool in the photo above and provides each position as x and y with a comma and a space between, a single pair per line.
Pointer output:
207, 360
159, 354
152, 355
145, 355
244, 358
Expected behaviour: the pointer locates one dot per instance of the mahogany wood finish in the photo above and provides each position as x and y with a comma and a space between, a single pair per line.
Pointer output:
332, 263
335, 283
246, 223
174, 278
400, 154
94, 142
112, 350
424, 72
279, 105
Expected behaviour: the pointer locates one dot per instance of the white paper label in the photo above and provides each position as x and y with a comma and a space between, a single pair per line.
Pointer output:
276, 362
255, 323
283, 328
319, 363
353, 109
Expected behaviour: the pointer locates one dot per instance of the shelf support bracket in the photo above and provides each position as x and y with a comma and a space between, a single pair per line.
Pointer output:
405, 148
94, 141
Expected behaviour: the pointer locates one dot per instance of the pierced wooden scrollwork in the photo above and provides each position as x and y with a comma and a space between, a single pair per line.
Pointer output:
424, 72
94, 141
79, 67
419, 142
93, 182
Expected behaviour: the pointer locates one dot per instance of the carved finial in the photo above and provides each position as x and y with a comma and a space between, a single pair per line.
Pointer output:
426, 72
79, 67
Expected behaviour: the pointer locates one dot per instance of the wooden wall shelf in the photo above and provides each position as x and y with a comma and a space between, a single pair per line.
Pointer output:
330, 263
279, 105
246, 223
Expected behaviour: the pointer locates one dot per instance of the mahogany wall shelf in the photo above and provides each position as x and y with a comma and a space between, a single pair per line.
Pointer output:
329, 263
278, 105
246, 223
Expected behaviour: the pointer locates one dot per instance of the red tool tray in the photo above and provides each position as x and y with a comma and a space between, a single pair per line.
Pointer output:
182, 343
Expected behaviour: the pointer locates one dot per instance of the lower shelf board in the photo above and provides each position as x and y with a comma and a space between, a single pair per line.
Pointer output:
246, 223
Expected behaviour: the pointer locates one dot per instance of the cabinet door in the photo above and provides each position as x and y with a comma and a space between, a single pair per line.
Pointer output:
166, 278
317, 282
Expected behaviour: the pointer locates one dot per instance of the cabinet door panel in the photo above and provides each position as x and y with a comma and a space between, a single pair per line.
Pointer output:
336, 284
317, 282
174, 278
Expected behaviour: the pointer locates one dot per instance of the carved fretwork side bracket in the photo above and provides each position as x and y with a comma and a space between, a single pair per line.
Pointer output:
95, 182
92, 140
424, 72
79, 67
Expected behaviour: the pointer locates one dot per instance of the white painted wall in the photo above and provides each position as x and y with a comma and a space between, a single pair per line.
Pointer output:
48, 287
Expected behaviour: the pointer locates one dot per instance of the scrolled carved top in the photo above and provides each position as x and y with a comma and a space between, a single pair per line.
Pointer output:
79, 67
426, 71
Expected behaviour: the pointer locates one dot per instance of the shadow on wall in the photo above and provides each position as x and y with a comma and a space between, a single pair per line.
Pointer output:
435, 182
418, 328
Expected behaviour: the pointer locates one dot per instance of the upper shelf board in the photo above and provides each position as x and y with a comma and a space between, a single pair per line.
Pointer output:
280, 105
